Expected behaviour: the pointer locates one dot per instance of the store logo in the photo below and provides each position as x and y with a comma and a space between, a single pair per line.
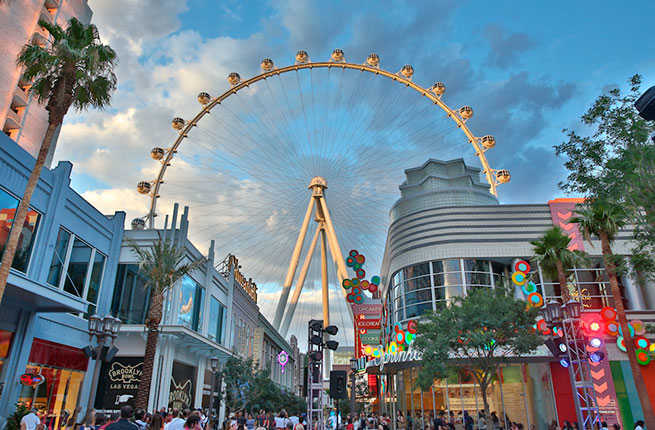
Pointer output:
180, 395
399, 357
125, 374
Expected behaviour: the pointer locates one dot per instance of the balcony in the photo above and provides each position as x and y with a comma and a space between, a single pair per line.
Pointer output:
20, 97
46, 15
13, 120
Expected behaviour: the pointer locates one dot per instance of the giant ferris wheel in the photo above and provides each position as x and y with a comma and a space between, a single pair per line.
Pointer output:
336, 133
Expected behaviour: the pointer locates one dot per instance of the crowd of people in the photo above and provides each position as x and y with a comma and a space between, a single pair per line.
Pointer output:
187, 419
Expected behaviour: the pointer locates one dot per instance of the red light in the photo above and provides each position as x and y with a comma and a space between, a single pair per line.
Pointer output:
594, 326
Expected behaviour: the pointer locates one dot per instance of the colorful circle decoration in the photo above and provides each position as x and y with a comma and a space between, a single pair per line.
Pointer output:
360, 258
612, 328
400, 337
364, 284
375, 280
393, 347
608, 313
639, 326
368, 350
360, 273
372, 288
558, 331
641, 342
620, 343
522, 266
353, 253
397, 327
409, 338
411, 326
347, 283
542, 327
283, 359
519, 278
350, 261
643, 357
535, 300
529, 288
631, 329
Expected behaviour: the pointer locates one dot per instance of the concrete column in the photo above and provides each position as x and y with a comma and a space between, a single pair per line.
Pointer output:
633, 292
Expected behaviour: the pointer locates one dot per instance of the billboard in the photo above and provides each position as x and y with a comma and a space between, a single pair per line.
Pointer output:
118, 383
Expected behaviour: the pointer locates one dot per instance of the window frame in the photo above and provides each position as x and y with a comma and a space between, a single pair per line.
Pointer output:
36, 236
89, 269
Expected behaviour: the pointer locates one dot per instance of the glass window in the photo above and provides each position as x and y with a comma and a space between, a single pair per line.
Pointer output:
416, 270
216, 315
477, 272
78, 267
187, 302
8, 206
131, 295
94, 282
58, 257
418, 310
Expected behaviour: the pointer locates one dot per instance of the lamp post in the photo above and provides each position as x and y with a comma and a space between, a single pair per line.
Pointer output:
104, 330
353, 369
214, 369
576, 360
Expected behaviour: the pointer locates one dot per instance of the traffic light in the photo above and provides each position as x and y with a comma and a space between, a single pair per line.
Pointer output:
557, 347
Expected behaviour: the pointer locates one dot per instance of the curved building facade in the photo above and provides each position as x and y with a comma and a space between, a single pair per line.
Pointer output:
449, 235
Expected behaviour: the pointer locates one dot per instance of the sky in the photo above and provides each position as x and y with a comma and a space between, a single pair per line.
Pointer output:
528, 69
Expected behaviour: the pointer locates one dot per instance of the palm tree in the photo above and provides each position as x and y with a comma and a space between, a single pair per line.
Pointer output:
162, 265
74, 69
604, 219
555, 258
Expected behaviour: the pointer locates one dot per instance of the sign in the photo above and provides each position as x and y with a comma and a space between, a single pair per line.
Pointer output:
368, 324
561, 210
118, 383
399, 357
31, 379
369, 310
371, 337
182, 386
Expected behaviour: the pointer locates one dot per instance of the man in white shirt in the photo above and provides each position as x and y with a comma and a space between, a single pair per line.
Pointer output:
177, 423
30, 421
294, 419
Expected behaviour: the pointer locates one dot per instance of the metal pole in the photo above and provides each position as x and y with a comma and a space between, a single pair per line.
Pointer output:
352, 393
502, 399
96, 375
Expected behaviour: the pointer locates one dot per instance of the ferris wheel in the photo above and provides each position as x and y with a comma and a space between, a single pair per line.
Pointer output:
244, 162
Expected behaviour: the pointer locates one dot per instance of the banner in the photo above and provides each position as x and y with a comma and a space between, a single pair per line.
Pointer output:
371, 337
118, 383
561, 210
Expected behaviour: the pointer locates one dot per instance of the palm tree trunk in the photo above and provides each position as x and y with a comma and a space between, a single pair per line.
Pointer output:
642, 392
154, 318
23, 207
561, 277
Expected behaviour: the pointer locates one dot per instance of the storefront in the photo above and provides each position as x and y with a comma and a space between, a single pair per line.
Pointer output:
62, 368
118, 383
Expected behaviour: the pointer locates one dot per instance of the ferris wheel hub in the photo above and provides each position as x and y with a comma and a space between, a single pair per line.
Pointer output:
318, 182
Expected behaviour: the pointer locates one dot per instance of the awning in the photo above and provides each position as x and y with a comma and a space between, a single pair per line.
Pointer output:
192, 341
28, 294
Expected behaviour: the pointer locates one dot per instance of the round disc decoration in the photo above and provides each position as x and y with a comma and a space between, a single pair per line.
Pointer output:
535, 300
347, 284
643, 357
620, 343
393, 347
639, 326
283, 359
411, 326
375, 280
368, 350
360, 258
409, 337
372, 288
360, 273
641, 342
522, 266
612, 328
608, 313
519, 278
364, 284
400, 337
529, 288
353, 253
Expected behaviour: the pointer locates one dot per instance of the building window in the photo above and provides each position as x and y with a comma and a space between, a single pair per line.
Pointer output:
216, 315
77, 268
8, 207
131, 299
192, 298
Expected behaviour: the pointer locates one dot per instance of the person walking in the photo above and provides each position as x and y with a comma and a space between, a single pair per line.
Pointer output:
30, 421
468, 421
124, 422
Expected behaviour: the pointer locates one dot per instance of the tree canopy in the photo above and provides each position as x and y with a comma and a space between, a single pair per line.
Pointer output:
476, 333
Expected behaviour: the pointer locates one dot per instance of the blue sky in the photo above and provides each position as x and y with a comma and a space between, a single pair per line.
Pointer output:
529, 69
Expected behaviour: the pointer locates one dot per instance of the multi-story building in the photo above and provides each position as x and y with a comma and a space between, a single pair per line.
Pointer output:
21, 116
197, 312
269, 344
448, 235
63, 271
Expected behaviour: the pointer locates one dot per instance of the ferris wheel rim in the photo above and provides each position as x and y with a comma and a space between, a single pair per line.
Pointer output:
454, 115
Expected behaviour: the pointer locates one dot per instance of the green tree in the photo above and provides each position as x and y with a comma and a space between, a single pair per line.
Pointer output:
163, 264
475, 333
74, 69
616, 162
555, 258
603, 219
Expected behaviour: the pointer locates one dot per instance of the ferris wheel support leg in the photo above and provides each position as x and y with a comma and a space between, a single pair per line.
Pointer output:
324, 280
336, 249
288, 316
293, 264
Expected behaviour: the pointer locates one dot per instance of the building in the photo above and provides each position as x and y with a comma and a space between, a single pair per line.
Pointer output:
22, 118
63, 271
298, 370
197, 313
448, 234
269, 345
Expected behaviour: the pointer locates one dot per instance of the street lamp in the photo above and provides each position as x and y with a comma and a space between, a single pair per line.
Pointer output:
572, 309
552, 312
104, 330
353, 369
214, 368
